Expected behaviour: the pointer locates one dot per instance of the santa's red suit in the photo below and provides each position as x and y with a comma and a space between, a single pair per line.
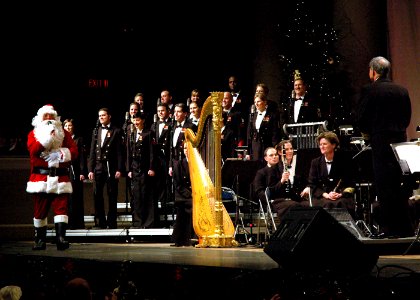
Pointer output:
51, 150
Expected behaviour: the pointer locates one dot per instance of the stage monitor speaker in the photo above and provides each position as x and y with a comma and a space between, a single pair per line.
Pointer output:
344, 218
309, 239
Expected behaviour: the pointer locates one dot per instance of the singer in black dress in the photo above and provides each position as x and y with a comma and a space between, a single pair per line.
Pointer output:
141, 170
78, 173
263, 129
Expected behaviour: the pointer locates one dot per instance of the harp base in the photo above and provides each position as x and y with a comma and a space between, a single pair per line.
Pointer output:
217, 241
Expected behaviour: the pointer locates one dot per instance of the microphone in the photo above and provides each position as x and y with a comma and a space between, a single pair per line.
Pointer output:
293, 94
98, 123
188, 101
155, 118
127, 116
253, 109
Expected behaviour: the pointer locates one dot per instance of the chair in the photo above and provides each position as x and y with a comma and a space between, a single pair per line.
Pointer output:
267, 215
228, 197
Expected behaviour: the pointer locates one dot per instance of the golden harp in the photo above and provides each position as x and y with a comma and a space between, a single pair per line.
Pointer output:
211, 221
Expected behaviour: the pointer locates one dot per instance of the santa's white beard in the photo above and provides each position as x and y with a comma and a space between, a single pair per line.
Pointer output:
50, 134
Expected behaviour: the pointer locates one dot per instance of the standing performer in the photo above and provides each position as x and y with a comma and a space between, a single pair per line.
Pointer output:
78, 173
263, 129
385, 113
141, 168
105, 164
160, 130
183, 228
51, 150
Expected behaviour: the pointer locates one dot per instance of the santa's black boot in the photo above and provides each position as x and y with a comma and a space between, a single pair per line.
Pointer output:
40, 238
60, 233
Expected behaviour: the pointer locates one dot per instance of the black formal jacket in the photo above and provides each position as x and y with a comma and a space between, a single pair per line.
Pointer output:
229, 141
182, 181
341, 168
267, 136
177, 152
271, 177
112, 150
161, 144
309, 111
141, 156
79, 166
385, 108
234, 119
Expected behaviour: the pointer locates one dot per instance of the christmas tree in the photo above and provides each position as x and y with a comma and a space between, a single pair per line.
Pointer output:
307, 44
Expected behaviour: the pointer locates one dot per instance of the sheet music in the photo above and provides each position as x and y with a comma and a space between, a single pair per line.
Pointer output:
409, 152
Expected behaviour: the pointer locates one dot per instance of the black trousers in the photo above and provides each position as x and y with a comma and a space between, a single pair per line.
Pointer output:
101, 180
388, 179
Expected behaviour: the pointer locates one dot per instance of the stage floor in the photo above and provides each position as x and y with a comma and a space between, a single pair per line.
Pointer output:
161, 271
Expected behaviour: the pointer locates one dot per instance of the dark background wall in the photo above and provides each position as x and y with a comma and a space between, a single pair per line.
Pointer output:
53, 54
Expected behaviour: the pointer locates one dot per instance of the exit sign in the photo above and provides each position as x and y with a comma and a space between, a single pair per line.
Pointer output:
98, 83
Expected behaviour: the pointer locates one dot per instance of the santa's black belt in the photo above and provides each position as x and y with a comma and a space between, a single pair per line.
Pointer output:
51, 171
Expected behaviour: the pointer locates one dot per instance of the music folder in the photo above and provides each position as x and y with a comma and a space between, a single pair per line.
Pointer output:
408, 156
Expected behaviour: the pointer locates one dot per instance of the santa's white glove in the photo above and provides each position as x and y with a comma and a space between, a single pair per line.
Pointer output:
53, 158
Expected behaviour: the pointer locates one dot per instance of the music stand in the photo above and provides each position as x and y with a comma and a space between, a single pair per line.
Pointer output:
239, 175
407, 155
364, 182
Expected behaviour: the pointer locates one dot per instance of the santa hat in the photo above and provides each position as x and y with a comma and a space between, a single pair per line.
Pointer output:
46, 109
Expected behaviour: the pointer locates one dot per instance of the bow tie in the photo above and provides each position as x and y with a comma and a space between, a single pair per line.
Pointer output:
300, 98
105, 127
329, 162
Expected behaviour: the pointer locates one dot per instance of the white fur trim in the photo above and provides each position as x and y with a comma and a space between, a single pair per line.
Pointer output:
40, 222
52, 184
46, 109
66, 155
61, 219
41, 187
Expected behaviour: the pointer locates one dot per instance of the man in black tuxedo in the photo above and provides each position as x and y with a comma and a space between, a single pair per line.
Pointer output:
301, 107
177, 135
161, 133
105, 164
384, 115
183, 228
228, 139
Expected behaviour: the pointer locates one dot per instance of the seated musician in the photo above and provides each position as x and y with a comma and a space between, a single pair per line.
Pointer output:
284, 184
330, 179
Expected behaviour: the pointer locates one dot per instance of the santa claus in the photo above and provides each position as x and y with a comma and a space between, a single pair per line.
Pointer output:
51, 150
